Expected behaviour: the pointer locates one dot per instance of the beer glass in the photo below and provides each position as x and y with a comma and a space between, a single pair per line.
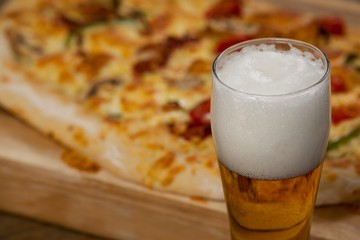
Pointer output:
270, 118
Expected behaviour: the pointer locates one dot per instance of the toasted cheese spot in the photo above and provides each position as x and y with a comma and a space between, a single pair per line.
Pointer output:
111, 41
161, 22
18, 111
171, 106
330, 176
341, 163
173, 172
91, 64
4, 79
209, 163
191, 159
70, 128
198, 199
164, 162
200, 66
163, 171
72, 71
80, 137
95, 102
155, 146
79, 162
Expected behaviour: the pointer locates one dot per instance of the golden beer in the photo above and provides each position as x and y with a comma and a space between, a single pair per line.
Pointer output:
270, 119
270, 209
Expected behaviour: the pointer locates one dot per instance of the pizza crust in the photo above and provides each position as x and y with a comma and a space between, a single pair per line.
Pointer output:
338, 185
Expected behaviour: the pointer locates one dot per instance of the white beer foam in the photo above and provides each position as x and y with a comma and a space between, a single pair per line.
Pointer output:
270, 137
264, 70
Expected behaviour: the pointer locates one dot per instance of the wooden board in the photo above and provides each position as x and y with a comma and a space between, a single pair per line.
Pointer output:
35, 182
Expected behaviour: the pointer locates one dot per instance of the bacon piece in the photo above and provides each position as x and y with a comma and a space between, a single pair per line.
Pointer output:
157, 55
224, 9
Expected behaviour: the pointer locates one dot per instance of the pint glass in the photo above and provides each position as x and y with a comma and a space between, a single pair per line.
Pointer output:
270, 118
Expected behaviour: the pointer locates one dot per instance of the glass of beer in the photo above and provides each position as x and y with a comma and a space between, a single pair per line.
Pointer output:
270, 118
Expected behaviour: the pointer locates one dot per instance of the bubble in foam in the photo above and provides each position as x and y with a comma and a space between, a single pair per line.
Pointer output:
272, 134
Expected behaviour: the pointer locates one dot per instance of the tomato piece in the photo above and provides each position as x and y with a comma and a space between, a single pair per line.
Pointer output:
332, 25
225, 8
232, 40
200, 115
342, 113
338, 84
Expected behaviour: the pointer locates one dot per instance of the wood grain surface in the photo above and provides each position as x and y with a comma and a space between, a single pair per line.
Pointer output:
13, 227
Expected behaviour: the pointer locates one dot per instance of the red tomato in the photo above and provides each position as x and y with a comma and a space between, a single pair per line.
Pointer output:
225, 8
332, 25
339, 114
200, 115
232, 40
338, 84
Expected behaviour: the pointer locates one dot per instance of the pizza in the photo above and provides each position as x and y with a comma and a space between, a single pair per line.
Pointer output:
127, 84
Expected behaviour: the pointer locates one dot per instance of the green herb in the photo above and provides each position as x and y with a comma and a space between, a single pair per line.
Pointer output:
114, 117
343, 140
69, 38
353, 59
350, 58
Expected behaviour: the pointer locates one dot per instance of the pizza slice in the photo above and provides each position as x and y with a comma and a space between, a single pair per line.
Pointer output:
128, 83
113, 90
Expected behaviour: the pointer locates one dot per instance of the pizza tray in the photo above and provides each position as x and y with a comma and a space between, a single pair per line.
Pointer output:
36, 183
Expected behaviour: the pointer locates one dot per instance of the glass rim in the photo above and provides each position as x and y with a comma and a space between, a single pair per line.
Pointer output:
271, 40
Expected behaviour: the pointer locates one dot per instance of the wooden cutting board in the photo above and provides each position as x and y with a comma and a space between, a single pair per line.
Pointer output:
36, 183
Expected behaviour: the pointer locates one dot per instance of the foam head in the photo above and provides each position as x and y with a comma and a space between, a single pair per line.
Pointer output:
270, 110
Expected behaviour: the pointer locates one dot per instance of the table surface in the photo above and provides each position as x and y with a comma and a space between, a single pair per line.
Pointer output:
14, 227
